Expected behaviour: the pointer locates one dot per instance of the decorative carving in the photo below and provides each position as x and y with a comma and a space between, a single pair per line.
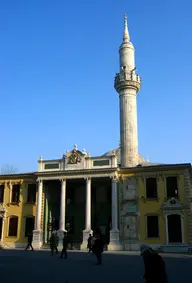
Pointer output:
172, 204
74, 157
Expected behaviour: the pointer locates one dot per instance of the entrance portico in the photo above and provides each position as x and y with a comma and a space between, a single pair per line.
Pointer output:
79, 206
78, 194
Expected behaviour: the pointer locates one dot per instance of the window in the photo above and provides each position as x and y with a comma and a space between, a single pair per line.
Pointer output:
2, 193
31, 193
152, 226
51, 166
104, 162
151, 188
29, 225
172, 187
13, 226
15, 193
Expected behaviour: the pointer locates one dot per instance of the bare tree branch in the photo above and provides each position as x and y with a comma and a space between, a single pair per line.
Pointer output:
7, 169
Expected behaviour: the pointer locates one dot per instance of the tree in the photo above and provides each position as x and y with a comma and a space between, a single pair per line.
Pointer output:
8, 169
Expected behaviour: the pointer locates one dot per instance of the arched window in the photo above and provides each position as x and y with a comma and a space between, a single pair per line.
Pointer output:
13, 226
29, 225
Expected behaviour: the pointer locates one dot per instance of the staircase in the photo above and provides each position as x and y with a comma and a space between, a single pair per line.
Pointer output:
174, 248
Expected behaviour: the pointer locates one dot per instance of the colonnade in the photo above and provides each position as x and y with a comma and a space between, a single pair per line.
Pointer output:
114, 233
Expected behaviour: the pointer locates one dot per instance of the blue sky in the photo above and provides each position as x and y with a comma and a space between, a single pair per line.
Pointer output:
58, 60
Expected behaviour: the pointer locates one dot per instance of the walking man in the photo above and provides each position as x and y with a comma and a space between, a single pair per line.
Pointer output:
97, 248
89, 243
30, 240
65, 244
54, 241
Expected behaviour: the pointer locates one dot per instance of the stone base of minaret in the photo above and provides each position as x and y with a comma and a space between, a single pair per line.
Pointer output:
114, 244
85, 238
37, 239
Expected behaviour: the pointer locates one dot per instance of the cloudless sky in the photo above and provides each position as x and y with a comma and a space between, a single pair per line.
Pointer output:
58, 60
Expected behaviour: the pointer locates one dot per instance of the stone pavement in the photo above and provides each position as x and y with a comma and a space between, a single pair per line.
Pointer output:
39, 266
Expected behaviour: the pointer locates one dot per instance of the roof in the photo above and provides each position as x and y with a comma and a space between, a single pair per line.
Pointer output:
142, 161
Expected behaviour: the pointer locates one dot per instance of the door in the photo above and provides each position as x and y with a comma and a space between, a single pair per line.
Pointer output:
1, 224
174, 228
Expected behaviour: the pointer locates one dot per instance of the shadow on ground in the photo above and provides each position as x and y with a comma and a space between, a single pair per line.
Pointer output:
22, 266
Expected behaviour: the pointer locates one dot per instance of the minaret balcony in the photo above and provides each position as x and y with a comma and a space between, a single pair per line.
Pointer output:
125, 80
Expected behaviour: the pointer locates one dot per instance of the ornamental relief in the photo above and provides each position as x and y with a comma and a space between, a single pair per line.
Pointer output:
74, 157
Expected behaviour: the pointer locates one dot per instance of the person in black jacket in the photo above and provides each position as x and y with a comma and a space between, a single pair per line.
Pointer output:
54, 241
97, 248
89, 243
65, 244
155, 270
30, 240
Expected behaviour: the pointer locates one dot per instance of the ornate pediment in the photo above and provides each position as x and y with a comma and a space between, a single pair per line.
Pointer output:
172, 204
75, 156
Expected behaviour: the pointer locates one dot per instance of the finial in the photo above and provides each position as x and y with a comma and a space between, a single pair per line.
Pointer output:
126, 36
75, 146
40, 158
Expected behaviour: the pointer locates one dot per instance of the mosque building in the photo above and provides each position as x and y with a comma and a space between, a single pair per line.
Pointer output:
128, 198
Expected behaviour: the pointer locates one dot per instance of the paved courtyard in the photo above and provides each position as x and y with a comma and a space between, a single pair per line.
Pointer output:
39, 266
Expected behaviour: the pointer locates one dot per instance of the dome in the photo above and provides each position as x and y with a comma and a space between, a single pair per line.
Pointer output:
141, 161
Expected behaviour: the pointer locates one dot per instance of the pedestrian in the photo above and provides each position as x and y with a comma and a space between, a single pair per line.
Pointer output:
65, 244
155, 270
89, 243
54, 241
29, 241
97, 248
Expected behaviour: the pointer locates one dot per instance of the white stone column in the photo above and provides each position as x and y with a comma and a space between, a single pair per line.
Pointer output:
88, 205
87, 230
37, 233
114, 233
62, 212
62, 206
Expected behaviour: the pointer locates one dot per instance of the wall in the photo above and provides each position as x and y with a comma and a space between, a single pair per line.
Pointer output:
22, 210
146, 207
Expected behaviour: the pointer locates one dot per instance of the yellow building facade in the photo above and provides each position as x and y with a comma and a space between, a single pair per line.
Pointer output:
155, 206
17, 208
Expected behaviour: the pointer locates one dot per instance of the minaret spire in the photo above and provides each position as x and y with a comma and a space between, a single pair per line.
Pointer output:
126, 36
127, 84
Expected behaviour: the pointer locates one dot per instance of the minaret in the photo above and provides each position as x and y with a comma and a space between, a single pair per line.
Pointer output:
127, 84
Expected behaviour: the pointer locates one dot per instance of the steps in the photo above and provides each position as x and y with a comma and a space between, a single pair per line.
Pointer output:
174, 248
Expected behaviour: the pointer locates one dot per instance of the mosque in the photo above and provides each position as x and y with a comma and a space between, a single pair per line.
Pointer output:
128, 198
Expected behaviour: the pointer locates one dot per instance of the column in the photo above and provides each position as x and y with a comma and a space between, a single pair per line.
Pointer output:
37, 233
87, 230
62, 205
114, 233
88, 205
114, 224
39, 206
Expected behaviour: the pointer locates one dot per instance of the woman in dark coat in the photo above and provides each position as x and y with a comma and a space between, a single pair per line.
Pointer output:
97, 248
154, 266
